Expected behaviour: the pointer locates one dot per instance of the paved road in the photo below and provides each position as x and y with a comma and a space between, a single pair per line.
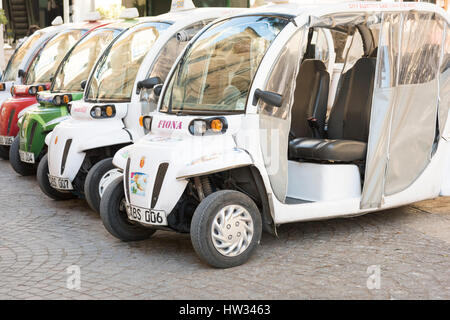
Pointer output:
41, 238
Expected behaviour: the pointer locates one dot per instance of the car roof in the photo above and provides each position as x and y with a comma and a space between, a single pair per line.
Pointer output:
312, 7
190, 15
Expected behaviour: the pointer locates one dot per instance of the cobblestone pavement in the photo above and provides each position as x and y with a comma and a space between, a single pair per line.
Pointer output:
41, 238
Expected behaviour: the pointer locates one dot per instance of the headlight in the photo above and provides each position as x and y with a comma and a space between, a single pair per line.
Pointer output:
57, 100
33, 90
62, 99
146, 122
209, 126
99, 112
199, 127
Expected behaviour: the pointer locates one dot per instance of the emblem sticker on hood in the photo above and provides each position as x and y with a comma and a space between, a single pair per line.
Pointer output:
138, 183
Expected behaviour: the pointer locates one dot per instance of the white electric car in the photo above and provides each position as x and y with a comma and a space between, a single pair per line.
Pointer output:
122, 87
241, 142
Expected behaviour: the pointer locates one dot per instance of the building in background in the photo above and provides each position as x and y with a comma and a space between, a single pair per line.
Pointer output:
22, 14
155, 7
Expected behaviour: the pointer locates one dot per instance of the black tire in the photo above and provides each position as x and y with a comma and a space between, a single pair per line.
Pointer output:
44, 184
22, 168
93, 178
4, 152
202, 222
115, 218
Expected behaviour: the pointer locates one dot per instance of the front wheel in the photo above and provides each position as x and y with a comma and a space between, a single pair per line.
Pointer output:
98, 180
226, 228
22, 168
44, 184
4, 152
114, 215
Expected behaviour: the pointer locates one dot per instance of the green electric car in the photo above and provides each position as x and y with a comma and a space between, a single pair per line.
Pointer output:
54, 106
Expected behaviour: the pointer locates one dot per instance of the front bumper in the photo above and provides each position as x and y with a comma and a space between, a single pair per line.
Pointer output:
36, 124
71, 139
9, 114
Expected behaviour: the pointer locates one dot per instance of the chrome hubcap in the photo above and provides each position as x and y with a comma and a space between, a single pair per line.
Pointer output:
107, 179
232, 230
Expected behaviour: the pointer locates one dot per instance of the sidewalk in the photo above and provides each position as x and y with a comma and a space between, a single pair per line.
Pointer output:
42, 242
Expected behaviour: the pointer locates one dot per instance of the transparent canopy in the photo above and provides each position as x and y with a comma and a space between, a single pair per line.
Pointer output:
216, 72
114, 75
12, 69
47, 62
76, 66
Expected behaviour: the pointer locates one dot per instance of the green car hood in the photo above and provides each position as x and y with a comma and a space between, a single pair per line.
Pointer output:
38, 121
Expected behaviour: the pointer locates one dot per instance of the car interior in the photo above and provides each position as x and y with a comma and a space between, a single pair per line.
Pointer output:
341, 134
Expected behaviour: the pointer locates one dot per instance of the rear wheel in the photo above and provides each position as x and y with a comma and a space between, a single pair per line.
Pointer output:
97, 181
22, 168
114, 215
226, 228
4, 152
44, 184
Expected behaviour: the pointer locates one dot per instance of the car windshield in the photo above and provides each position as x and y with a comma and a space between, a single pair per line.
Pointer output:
12, 69
44, 66
114, 75
215, 74
76, 66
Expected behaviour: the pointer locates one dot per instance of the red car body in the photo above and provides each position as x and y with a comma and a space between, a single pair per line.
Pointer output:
11, 108
22, 99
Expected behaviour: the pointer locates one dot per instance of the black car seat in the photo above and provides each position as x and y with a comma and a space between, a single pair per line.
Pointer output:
310, 100
348, 124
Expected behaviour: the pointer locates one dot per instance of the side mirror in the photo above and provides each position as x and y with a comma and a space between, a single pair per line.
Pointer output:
83, 84
149, 83
271, 98
21, 73
184, 36
157, 89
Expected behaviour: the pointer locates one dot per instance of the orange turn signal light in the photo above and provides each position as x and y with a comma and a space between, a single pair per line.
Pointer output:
216, 125
40, 88
109, 111
66, 99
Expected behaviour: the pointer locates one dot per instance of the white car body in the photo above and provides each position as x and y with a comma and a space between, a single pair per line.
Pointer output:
86, 133
330, 190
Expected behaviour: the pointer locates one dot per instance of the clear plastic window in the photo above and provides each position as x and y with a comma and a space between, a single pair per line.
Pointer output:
77, 65
114, 75
283, 77
216, 73
12, 69
47, 62
164, 63
420, 48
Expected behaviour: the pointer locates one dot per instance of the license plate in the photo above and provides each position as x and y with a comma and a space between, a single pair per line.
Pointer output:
27, 157
6, 141
147, 216
60, 183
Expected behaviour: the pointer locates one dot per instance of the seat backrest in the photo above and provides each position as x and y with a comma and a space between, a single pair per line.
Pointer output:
350, 115
310, 98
